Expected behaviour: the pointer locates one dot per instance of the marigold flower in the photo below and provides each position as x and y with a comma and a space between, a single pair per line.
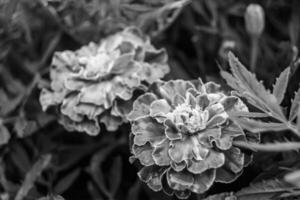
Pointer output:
255, 20
97, 82
182, 136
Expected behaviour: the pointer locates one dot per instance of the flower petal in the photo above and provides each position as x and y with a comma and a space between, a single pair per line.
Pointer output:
229, 102
91, 127
144, 154
203, 181
232, 167
67, 108
217, 120
173, 87
187, 148
178, 100
212, 87
152, 175
229, 132
159, 107
160, 153
179, 180
202, 101
147, 129
141, 106
111, 122
171, 130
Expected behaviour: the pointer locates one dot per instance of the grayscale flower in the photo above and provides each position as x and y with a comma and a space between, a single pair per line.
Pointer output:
97, 82
183, 137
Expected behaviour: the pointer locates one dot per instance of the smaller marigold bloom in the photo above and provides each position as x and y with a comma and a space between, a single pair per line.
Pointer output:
255, 20
183, 137
97, 82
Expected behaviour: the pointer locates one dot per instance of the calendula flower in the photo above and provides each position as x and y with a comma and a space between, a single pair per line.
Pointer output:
183, 137
97, 82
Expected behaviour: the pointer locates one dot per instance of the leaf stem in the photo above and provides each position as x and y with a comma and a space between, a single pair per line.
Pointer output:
254, 53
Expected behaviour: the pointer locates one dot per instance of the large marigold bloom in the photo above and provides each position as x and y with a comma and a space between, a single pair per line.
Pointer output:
182, 136
96, 83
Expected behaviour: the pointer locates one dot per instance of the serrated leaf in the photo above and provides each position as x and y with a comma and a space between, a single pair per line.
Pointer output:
221, 196
280, 86
272, 147
264, 190
256, 126
298, 121
249, 87
66, 181
293, 178
32, 175
248, 114
4, 135
295, 106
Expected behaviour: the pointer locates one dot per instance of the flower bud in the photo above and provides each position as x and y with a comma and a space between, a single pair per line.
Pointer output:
255, 20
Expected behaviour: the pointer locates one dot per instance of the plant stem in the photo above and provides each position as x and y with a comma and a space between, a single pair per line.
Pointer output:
254, 53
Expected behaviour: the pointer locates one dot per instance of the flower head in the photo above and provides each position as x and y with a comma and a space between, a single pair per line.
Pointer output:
97, 82
182, 135
254, 19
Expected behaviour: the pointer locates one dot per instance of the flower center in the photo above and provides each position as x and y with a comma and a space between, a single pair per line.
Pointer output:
188, 119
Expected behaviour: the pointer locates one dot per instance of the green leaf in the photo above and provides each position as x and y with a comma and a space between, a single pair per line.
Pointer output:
32, 176
236, 114
249, 87
295, 106
298, 120
66, 181
256, 126
272, 147
280, 86
52, 197
116, 173
293, 178
221, 196
264, 190
4, 135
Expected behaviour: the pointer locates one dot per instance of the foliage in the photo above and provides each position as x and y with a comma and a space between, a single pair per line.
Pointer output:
179, 134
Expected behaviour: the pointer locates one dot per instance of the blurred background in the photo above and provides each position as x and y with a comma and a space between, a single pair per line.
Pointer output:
197, 35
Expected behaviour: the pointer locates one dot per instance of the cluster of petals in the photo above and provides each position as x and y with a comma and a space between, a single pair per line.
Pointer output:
182, 136
98, 82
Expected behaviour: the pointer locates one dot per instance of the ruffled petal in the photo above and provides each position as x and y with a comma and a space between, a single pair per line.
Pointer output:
212, 87
171, 88
91, 127
203, 181
144, 154
229, 102
48, 98
213, 160
111, 122
159, 107
232, 167
178, 100
152, 175
187, 148
146, 129
67, 108
141, 106
179, 180
171, 130
229, 132
160, 153
202, 101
